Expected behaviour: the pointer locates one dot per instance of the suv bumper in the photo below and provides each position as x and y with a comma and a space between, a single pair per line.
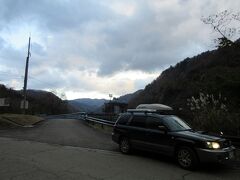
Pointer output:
218, 155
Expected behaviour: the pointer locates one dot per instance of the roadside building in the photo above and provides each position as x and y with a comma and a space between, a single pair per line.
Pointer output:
115, 107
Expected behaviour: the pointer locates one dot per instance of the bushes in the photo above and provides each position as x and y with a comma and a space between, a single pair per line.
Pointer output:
210, 113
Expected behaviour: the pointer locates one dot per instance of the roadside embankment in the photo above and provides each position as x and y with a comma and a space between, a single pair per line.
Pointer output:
12, 120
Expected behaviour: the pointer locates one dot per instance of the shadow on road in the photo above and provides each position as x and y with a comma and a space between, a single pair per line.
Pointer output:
208, 168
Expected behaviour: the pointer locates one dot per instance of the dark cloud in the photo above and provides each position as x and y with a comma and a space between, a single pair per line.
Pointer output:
12, 58
147, 40
143, 43
101, 38
55, 15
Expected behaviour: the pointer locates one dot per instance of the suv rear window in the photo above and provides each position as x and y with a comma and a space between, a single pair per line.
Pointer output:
153, 123
138, 121
123, 119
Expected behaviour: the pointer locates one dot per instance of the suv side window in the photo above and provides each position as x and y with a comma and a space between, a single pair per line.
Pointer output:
153, 123
138, 121
123, 119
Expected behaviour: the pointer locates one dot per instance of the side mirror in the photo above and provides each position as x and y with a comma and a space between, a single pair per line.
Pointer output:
162, 128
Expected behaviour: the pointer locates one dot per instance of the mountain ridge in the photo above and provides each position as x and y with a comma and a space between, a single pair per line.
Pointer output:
40, 102
211, 72
96, 105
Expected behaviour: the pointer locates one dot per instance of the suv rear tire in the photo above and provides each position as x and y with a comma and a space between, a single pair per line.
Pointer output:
186, 158
124, 145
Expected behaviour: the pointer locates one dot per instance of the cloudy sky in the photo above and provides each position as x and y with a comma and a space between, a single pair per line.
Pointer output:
91, 48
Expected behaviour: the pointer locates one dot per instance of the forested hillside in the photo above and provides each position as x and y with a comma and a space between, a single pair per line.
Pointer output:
215, 73
87, 104
40, 102
127, 97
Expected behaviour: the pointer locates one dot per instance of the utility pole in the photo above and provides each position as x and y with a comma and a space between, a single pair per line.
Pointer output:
110, 96
26, 78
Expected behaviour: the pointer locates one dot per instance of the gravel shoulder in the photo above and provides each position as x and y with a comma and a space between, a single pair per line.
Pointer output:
18, 120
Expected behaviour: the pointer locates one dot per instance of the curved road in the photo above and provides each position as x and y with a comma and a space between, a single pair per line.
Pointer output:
68, 132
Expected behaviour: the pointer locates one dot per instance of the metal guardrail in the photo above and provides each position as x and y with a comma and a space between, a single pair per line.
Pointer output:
100, 121
83, 116
234, 139
106, 116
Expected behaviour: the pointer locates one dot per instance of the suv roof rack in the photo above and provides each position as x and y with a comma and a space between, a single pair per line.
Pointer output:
142, 110
156, 107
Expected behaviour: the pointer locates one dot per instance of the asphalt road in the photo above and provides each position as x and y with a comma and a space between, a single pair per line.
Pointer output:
29, 160
68, 132
70, 149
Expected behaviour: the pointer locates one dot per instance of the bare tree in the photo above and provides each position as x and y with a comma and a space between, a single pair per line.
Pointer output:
63, 96
226, 25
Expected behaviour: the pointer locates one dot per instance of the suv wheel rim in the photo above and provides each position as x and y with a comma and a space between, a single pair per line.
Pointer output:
124, 146
184, 158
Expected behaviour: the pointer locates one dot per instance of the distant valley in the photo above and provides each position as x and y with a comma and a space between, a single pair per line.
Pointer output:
96, 105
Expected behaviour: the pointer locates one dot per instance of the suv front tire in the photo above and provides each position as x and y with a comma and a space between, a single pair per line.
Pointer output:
124, 145
186, 158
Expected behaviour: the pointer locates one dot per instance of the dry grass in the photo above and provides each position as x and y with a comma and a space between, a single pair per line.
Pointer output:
24, 120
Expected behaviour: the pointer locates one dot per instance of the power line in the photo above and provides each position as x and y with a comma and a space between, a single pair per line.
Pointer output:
10, 78
9, 73
6, 76
43, 82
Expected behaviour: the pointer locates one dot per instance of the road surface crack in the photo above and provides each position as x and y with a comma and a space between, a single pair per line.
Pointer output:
185, 175
32, 173
44, 151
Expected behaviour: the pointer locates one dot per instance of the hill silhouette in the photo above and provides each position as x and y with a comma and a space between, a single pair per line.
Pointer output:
40, 102
214, 72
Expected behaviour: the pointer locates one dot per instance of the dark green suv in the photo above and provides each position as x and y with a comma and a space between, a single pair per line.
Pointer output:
169, 135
